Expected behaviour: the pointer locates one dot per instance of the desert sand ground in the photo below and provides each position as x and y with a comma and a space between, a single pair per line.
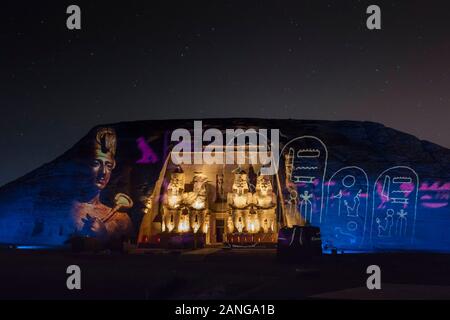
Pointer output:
220, 274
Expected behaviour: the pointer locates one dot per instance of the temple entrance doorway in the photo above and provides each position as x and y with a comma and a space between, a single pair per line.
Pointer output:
220, 230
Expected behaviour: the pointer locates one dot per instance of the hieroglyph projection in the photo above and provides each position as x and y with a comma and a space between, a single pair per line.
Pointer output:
306, 164
394, 206
347, 206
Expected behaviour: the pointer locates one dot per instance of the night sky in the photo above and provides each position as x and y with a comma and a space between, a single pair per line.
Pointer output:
138, 60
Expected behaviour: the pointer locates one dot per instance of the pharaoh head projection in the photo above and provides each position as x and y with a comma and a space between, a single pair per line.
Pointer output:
104, 156
92, 217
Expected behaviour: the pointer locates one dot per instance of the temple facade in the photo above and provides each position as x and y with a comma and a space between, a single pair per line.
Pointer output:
234, 204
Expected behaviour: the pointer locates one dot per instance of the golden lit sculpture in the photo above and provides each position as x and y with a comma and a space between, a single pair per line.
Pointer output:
174, 196
265, 201
230, 224
197, 202
252, 224
197, 199
170, 220
264, 198
206, 224
173, 200
240, 197
239, 200
199, 220
183, 224
92, 217
239, 220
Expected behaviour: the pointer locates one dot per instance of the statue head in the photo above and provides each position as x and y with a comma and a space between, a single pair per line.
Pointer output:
240, 183
263, 184
103, 161
177, 181
199, 181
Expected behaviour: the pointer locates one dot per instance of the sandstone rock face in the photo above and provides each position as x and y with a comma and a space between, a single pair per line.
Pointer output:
372, 187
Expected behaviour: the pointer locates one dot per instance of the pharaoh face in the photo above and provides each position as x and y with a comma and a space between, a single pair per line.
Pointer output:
175, 189
176, 184
240, 184
103, 162
197, 198
102, 167
263, 185
200, 181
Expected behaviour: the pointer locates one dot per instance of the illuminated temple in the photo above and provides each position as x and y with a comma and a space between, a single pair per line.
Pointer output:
367, 187
229, 203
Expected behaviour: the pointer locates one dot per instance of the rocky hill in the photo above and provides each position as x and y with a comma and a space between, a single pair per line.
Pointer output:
375, 188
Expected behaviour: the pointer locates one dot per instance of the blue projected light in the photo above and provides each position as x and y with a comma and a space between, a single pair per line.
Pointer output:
361, 205
24, 247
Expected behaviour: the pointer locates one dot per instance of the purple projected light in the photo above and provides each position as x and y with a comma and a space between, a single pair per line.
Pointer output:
148, 155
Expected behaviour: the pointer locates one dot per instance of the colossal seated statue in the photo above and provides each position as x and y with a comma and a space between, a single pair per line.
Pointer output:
264, 200
197, 202
173, 200
197, 199
239, 201
175, 190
